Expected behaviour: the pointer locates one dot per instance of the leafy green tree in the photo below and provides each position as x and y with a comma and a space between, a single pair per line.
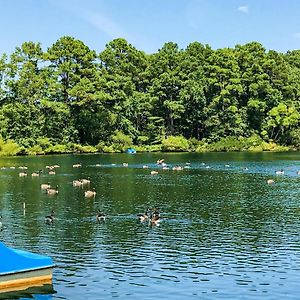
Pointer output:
124, 70
280, 120
225, 116
166, 84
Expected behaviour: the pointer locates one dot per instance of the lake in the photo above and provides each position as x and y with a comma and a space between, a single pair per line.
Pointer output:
224, 232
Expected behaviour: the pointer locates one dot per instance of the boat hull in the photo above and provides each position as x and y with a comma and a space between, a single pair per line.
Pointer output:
23, 280
22, 269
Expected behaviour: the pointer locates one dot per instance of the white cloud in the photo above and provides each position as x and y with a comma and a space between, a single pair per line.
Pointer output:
104, 24
244, 9
98, 20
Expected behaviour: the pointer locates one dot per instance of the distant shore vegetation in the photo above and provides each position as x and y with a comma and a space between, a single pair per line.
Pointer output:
70, 99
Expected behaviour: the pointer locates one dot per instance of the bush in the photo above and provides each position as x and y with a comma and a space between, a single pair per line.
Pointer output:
57, 149
175, 143
8, 148
121, 141
34, 150
85, 148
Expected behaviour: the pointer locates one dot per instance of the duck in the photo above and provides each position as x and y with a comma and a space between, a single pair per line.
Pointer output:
77, 165
50, 218
160, 161
144, 217
89, 194
52, 191
153, 172
36, 174
45, 186
77, 183
100, 217
85, 181
155, 218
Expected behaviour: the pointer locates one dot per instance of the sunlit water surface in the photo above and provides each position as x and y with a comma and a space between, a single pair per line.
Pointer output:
224, 234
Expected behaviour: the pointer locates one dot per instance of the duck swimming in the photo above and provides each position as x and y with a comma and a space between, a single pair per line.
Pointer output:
77, 183
85, 181
155, 219
89, 194
50, 218
100, 217
45, 186
145, 216
52, 191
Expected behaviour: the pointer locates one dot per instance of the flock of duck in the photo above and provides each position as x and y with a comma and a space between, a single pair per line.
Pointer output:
152, 216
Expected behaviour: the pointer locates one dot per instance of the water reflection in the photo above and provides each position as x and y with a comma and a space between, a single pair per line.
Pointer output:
224, 233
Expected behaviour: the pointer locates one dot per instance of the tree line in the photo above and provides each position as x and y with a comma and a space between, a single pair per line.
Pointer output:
70, 98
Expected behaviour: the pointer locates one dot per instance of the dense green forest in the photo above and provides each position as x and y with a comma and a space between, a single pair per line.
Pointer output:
70, 98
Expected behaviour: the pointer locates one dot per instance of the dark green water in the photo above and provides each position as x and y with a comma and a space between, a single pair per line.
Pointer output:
225, 233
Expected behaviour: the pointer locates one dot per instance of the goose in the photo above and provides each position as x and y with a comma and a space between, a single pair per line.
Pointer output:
52, 191
22, 174
1, 225
270, 181
298, 172
51, 172
77, 183
144, 217
280, 172
45, 186
50, 218
160, 161
85, 181
177, 168
153, 172
89, 194
145, 167
100, 217
77, 165
155, 218
125, 164
36, 174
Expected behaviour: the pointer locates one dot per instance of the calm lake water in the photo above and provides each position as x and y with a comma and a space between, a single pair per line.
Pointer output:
224, 234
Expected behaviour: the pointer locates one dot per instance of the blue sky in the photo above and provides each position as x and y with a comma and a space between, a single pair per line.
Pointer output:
148, 24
